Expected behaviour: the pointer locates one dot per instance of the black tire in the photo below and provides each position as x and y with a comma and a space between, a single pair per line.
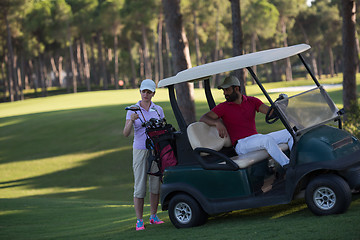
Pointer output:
328, 194
184, 212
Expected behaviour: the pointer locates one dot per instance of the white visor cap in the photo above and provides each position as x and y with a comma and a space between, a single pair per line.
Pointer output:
148, 84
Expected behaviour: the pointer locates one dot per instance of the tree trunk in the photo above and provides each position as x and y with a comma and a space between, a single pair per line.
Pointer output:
133, 70
116, 62
21, 76
181, 57
160, 37
156, 59
238, 48
197, 45
169, 65
357, 51
16, 78
80, 68
29, 73
11, 70
147, 64
141, 61
349, 58
320, 69
55, 71
288, 71
42, 76
34, 80
73, 69
68, 78
5, 82
216, 81
72, 62
86, 64
331, 62
60, 67
94, 74
107, 63
312, 58
253, 49
197, 41
101, 61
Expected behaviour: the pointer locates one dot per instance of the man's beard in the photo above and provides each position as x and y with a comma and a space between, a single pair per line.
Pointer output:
231, 97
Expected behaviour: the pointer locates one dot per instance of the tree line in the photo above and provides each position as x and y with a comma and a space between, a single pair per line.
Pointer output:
110, 44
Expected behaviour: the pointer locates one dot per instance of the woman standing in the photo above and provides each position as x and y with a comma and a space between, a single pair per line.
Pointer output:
140, 153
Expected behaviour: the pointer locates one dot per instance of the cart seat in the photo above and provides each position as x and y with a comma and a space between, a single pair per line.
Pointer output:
202, 135
248, 159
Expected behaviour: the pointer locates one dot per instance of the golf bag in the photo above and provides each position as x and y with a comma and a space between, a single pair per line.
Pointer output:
161, 141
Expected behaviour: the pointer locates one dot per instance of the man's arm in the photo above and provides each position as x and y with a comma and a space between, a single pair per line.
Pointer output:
212, 119
264, 108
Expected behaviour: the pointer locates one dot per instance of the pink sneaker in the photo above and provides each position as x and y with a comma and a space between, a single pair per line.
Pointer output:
155, 220
140, 225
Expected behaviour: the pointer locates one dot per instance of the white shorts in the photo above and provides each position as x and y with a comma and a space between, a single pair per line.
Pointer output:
140, 167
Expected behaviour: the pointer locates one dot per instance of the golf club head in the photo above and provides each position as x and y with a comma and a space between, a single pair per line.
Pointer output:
133, 108
153, 109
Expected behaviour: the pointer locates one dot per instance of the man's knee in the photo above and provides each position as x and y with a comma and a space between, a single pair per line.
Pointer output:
267, 141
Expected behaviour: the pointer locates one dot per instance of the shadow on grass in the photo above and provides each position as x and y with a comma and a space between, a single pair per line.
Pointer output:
78, 153
50, 134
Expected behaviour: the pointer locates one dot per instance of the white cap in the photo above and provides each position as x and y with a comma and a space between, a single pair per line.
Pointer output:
148, 84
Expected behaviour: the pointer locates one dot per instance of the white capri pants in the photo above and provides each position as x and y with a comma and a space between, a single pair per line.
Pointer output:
140, 167
269, 142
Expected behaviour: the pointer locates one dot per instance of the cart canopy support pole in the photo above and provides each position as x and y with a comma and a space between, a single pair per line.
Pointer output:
209, 96
179, 118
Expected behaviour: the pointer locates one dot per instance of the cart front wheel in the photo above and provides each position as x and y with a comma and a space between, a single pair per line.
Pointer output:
328, 194
184, 212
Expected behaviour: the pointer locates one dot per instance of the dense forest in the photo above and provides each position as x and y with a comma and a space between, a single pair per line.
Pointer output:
84, 45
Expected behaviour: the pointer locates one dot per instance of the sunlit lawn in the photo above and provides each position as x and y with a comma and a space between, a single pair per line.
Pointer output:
65, 173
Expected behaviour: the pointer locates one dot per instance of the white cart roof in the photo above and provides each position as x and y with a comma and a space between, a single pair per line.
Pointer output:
230, 64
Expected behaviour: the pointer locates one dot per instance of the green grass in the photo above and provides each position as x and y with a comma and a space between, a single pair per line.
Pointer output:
66, 173
93, 219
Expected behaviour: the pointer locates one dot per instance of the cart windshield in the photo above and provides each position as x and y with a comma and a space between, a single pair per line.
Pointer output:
308, 109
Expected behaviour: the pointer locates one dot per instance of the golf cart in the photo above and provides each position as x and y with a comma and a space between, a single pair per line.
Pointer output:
210, 178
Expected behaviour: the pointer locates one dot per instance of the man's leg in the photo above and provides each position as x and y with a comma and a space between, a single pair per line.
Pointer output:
282, 136
259, 141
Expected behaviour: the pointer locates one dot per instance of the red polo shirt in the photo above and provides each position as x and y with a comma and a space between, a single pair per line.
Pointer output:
239, 119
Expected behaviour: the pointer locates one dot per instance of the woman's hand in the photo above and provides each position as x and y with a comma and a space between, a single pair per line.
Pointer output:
134, 116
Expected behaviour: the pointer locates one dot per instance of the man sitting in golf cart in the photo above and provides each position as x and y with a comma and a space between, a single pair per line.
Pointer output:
236, 118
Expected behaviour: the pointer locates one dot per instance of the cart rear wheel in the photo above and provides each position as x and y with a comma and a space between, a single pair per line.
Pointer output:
328, 194
185, 211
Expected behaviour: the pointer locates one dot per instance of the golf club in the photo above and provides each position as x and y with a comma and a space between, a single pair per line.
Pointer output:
136, 108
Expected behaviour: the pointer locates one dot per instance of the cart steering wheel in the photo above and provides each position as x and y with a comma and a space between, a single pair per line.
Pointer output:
273, 117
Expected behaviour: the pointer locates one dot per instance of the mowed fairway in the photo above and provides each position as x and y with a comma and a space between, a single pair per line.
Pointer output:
66, 173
